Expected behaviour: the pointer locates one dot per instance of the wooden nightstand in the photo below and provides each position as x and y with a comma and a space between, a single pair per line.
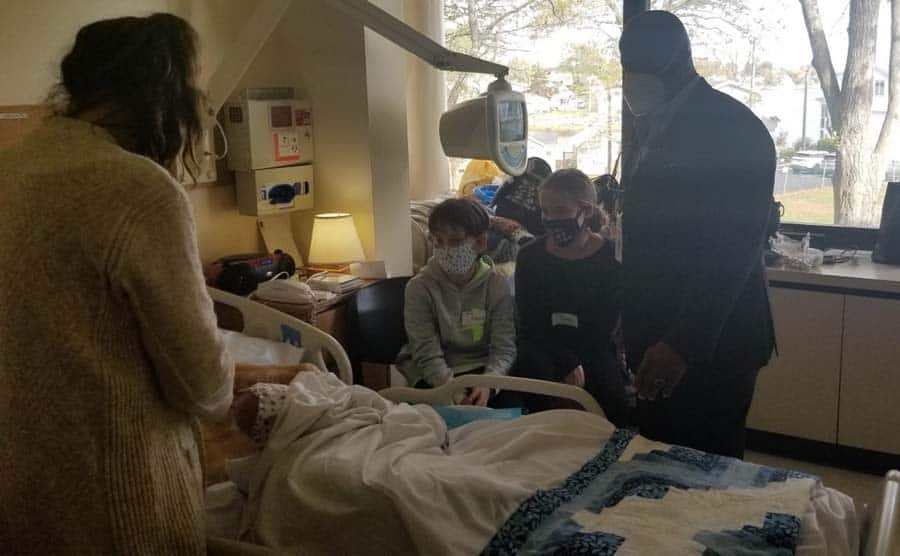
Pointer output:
328, 316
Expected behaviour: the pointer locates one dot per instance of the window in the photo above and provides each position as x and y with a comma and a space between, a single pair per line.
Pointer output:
563, 56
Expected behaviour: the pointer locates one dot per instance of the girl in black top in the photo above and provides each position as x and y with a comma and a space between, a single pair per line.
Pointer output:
569, 297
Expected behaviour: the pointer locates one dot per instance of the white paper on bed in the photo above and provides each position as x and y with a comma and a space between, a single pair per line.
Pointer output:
224, 504
346, 471
260, 351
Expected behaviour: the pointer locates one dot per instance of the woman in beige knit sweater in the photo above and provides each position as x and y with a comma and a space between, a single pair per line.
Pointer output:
108, 342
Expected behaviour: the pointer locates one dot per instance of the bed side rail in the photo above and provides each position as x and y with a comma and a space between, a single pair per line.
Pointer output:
262, 321
447, 393
883, 538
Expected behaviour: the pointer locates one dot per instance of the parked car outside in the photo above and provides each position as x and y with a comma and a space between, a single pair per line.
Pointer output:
813, 162
822, 163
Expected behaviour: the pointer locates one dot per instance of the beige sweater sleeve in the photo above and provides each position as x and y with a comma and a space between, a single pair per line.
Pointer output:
158, 267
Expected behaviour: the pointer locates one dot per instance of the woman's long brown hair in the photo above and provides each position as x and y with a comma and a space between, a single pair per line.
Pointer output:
140, 72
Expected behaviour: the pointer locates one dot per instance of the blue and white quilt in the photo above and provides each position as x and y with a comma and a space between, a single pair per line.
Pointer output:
642, 497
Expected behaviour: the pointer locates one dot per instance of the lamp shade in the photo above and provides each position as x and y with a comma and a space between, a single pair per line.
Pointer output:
334, 240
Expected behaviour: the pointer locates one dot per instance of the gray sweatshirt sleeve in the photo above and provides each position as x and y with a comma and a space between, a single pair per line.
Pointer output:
502, 353
424, 338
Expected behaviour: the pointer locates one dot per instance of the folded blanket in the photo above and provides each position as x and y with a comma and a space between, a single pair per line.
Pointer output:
642, 497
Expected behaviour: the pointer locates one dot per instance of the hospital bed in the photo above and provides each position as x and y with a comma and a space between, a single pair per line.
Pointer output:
879, 533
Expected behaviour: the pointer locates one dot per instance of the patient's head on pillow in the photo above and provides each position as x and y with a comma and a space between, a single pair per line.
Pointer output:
256, 410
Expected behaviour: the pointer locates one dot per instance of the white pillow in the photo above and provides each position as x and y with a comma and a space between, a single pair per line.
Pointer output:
259, 351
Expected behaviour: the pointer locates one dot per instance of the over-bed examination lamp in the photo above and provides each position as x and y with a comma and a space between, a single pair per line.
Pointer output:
493, 126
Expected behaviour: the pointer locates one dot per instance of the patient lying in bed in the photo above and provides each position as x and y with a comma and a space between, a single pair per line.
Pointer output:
224, 439
343, 470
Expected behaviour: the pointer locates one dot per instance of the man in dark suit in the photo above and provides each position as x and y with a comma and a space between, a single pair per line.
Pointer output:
698, 188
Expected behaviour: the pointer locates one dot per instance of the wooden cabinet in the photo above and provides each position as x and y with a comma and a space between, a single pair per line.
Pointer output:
837, 376
869, 415
797, 394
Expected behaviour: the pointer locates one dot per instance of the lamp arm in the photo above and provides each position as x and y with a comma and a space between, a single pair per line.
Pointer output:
413, 41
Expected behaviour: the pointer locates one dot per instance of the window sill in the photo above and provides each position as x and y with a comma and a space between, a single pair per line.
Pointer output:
860, 276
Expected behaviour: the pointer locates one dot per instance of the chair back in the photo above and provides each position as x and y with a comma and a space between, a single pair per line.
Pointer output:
375, 318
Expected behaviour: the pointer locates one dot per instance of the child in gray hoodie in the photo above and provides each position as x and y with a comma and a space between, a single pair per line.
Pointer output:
459, 311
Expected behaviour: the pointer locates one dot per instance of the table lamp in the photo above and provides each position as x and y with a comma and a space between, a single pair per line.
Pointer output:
335, 243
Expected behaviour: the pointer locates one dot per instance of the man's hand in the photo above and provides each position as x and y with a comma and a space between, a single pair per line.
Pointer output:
477, 396
576, 377
660, 372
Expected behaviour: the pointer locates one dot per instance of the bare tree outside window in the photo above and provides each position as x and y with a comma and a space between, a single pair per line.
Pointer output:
862, 158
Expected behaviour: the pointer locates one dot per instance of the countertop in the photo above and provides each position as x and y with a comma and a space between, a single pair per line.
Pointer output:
856, 274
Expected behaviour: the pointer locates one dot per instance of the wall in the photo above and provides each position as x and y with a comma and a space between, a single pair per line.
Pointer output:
355, 81
426, 100
386, 89
42, 31
221, 229
37, 33
361, 153
216, 22
327, 54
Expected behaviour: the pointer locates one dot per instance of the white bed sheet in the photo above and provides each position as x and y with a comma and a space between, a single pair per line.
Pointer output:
224, 504
346, 471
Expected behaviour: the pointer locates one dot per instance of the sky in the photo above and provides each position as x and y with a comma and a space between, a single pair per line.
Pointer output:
783, 41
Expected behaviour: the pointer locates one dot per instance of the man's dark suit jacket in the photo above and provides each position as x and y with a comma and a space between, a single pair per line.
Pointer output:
697, 200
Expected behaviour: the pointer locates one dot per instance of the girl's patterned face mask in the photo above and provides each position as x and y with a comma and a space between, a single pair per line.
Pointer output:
563, 231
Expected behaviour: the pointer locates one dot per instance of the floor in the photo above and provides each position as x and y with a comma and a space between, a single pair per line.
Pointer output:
864, 488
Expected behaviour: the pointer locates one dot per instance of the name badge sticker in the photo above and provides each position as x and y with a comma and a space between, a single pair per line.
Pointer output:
564, 319
473, 316
473, 321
